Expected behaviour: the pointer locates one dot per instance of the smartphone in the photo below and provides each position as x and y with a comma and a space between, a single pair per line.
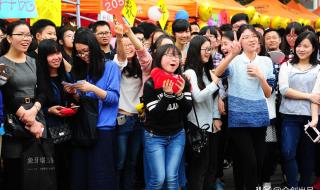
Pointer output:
312, 132
121, 120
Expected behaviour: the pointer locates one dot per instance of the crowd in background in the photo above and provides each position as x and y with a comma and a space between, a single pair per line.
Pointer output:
227, 80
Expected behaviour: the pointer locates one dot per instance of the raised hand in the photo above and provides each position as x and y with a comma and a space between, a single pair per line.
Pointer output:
180, 85
167, 86
236, 45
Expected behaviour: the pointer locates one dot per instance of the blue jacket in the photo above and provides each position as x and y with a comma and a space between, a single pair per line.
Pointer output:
108, 108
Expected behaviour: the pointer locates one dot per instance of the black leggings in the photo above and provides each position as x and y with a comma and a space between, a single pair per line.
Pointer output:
248, 154
12, 174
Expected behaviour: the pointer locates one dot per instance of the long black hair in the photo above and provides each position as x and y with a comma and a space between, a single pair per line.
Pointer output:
313, 40
5, 45
95, 69
46, 48
161, 51
193, 60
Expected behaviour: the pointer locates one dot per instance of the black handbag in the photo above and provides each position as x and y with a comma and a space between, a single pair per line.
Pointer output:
84, 133
14, 127
197, 136
38, 166
60, 133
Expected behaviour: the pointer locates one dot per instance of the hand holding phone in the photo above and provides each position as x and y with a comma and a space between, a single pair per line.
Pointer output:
312, 132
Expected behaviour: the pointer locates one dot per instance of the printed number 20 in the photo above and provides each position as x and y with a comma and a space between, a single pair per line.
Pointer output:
113, 5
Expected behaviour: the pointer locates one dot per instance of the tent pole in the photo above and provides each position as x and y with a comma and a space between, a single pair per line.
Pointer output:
78, 13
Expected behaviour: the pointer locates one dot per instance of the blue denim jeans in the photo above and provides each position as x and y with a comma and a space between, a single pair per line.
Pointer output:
129, 144
162, 157
298, 151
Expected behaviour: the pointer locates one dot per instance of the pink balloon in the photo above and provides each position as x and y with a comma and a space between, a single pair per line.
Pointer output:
211, 22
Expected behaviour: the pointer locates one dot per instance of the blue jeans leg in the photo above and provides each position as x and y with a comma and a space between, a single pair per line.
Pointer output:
129, 144
290, 134
295, 144
162, 156
154, 161
174, 152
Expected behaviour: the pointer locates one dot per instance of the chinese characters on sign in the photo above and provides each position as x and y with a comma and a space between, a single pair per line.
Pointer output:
18, 9
130, 11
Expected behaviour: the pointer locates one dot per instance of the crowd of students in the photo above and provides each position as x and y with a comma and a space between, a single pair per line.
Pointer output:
222, 79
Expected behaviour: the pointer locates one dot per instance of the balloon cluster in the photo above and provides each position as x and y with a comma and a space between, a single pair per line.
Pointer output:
265, 20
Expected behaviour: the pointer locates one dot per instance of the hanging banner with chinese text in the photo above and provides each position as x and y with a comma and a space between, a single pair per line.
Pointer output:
18, 9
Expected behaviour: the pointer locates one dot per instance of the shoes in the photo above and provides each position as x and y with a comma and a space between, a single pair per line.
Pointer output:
266, 186
316, 184
227, 164
219, 184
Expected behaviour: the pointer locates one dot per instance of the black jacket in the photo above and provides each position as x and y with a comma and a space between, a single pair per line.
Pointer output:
165, 114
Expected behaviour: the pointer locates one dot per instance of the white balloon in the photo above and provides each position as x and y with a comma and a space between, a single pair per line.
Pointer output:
154, 13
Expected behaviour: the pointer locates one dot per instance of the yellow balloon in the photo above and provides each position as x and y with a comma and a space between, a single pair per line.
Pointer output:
307, 22
300, 20
285, 22
202, 24
205, 11
265, 21
255, 19
276, 22
250, 10
317, 25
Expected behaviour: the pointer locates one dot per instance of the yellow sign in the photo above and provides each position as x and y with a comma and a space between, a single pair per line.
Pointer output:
48, 9
165, 13
130, 11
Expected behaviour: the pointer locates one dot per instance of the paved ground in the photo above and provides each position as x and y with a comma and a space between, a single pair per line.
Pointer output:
276, 179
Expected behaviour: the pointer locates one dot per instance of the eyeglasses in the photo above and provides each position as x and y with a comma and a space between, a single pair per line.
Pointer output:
23, 36
100, 34
171, 56
83, 53
207, 50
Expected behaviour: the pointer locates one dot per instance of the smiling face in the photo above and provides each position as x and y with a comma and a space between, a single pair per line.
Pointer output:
49, 32
272, 41
249, 41
54, 60
83, 52
304, 49
170, 61
226, 45
128, 47
183, 37
20, 39
205, 52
